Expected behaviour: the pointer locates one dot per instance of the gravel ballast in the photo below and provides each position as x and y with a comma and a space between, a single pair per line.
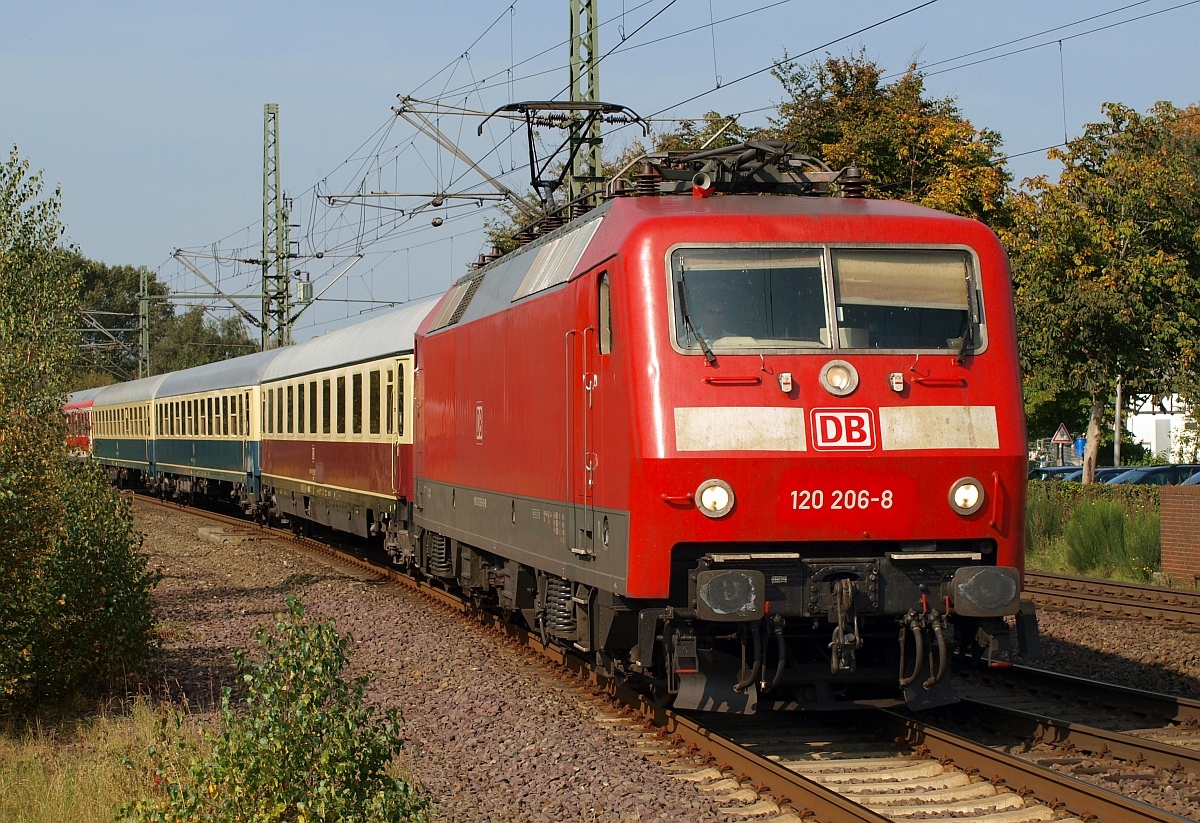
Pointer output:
493, 735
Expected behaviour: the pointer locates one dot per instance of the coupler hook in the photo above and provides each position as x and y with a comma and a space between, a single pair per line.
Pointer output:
846, 640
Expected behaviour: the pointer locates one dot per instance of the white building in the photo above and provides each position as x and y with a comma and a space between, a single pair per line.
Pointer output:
1165, 427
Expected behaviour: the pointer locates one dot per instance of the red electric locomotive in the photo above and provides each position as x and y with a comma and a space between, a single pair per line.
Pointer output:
761, 448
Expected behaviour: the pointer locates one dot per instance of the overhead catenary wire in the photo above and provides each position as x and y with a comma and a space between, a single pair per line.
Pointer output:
373, 229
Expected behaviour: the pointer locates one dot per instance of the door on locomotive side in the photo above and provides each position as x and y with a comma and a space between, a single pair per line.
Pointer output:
580, 347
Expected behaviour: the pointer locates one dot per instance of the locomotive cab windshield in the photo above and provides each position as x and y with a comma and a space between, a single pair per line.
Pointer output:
766, 298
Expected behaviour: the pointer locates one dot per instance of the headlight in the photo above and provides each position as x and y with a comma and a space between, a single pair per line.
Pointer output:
839, 378
714, 498
966, 496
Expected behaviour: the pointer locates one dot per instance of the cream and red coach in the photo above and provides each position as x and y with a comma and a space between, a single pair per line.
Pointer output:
750, 517
337, 433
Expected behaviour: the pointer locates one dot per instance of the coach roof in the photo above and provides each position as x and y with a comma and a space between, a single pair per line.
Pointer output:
135, 391
392, 333
223, 374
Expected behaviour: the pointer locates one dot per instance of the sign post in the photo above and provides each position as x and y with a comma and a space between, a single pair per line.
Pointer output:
1061, 438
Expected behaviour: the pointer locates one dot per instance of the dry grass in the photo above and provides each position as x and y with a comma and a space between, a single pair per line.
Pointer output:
85, 770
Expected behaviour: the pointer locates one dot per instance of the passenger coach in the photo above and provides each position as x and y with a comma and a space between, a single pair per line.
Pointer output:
337, 432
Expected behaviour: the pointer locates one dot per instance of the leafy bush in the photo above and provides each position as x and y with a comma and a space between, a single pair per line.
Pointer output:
1143, 546
1096, 537
1103, 538
305, 749
76, 611
1095, 543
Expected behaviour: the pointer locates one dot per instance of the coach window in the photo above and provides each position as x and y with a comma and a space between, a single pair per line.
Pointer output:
373, 388
300, 407
212, 417
605, 324
356, 387
312, 406
326, 406
279, 410
270, 411
291, 410
400, 400
341, 405
391, 400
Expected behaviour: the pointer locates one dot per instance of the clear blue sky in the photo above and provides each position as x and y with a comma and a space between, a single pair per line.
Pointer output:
149, 114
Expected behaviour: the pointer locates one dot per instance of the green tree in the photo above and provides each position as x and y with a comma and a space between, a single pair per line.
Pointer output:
76, 609
1105, 263
909, 145
108, 298
192, 339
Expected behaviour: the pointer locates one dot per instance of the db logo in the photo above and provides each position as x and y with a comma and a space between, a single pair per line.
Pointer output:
843, 429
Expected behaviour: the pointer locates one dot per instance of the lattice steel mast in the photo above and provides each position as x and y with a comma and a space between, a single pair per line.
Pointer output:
276, 277
585, 174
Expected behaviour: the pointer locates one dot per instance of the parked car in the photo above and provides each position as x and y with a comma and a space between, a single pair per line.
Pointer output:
1051, 472
1156, 475
1103, 473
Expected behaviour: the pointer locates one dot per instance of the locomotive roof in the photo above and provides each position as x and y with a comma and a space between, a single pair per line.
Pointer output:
391, 333
135, 391
585, 242
236, 372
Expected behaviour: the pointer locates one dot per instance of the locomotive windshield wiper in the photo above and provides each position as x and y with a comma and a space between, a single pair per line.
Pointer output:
689, 325
968, 340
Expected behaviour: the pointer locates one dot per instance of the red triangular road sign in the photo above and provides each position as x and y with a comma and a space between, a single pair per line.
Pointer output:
1062, 435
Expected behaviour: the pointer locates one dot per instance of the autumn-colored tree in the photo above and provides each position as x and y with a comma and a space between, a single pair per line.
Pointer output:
76, 607
1105, 263
909, 145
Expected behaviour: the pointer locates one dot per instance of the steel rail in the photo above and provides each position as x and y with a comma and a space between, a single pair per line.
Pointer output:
1042, 728
1078, 797
1109, 597
785, 787
1167, 707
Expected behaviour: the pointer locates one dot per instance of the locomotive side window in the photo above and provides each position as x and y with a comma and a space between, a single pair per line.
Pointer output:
903, 298
605, 319
740, 298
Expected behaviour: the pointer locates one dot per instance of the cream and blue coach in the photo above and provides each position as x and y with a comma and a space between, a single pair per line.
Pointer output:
207, 429
122, 428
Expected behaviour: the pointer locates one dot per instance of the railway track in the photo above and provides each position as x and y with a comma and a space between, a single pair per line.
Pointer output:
876, 765
1056, 591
